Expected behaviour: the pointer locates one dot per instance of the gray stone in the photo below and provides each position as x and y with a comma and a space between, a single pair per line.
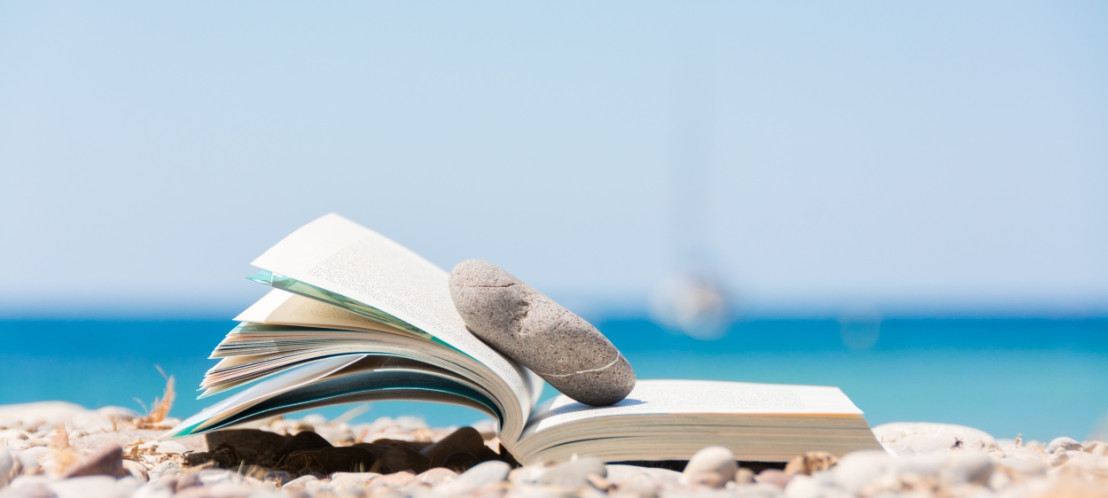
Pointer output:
573, 474
107, 461
541, 335
713, 466
1063, 444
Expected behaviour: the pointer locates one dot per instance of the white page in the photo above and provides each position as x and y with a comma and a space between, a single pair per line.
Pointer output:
345, 258
662, 397
279, 307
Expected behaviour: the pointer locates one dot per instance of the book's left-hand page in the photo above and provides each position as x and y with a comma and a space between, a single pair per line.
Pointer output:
347, 259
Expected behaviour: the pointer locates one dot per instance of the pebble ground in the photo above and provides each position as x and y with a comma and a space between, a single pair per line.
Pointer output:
62, 450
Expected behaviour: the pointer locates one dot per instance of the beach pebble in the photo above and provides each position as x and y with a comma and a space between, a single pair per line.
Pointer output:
908, 438
94, 487
810, 463
464, 440
436, 476
106, 461
352, 480
305, 440
573, 474
857, 470
529, 327
773, 476
28, 486
168, 468
1063, 444
713, 467
803, 486
401, 457
9, 467
968, 467
477, 477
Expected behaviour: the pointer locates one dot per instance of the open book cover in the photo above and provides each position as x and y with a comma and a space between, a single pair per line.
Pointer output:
354, 316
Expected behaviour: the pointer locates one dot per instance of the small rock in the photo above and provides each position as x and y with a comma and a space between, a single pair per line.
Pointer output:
305, 440
713, 466
1024, 465
923, 465
810, 463
858, 469
464, 440
528, 474
9, 467
396, 480
968, 467
31, 459
168, 468
573, 474
802, 486
436, 476
541, 335
97, 486
136, 470
328, 460
401, 457
1097, 448
477, 477
640, 486
909, 438
300, 483
107, 461
773, 476
28, 486
1063, 444
352, 480
744, 476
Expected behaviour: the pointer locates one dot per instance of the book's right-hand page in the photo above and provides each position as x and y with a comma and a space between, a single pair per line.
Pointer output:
669, 419
662, 397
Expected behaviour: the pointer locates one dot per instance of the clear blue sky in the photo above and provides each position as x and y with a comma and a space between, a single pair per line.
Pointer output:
941, 155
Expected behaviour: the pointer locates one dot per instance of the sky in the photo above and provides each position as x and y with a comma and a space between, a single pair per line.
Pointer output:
940, 156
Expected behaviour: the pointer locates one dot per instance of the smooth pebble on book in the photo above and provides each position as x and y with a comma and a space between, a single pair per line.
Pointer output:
353, 316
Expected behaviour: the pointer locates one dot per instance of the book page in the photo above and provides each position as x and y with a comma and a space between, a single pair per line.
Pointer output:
345, 258
285, 308
676, 397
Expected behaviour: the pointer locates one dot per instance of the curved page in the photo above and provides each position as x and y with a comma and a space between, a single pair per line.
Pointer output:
349, 260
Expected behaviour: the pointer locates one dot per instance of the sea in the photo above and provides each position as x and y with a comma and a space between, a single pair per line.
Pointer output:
1038, 378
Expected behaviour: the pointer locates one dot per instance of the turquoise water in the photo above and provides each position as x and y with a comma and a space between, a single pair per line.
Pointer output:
1039, 377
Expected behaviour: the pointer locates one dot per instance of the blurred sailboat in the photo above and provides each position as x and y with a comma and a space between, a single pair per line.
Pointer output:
692, 300
691, 304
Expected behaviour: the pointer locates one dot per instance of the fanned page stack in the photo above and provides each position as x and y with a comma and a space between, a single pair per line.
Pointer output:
353, 316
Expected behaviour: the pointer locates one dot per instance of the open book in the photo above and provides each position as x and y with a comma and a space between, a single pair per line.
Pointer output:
353, 316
